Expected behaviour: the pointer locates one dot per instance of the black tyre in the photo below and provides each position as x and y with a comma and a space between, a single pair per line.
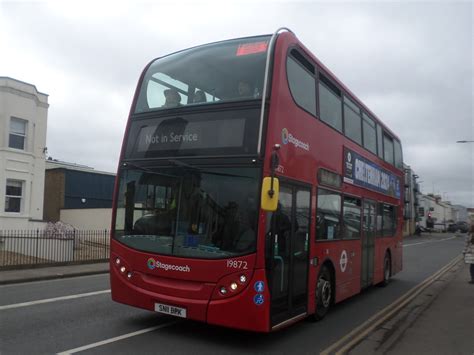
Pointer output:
324, 293
387, 270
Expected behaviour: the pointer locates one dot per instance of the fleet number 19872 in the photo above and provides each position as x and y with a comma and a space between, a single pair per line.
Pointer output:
237, 264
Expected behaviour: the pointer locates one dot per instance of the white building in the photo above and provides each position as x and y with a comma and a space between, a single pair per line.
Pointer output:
411, 201
442, 212
460, 213
23, 122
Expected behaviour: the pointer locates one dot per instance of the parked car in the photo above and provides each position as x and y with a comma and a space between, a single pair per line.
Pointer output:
452, 227
463, 227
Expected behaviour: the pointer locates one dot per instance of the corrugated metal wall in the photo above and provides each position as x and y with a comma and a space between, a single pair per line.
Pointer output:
88, 190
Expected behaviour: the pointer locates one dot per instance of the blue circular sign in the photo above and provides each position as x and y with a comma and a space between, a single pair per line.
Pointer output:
259, 286
258, 299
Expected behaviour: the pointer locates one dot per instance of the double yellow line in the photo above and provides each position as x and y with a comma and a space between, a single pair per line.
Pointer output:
346, 343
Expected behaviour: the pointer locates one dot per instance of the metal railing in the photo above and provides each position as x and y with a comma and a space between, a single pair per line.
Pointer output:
26, 248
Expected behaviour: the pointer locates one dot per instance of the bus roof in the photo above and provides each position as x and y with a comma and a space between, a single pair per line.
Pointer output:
314, 58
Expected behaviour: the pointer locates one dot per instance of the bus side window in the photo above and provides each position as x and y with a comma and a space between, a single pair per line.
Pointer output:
328, 223
302, 82
351, 217
330, 106
369, 133
352, 121
388, 150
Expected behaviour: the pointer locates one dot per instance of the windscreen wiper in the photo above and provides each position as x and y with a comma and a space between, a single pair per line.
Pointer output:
141, 168
193, 167
126, 165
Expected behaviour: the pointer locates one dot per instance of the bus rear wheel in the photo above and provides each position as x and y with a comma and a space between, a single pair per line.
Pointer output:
324, 293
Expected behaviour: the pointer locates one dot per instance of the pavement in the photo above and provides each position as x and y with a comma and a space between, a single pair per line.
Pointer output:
53, 272
439, 321
446, 326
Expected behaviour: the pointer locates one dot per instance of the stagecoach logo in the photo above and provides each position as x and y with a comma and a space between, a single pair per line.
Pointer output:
343, 261
287, 137
153, 264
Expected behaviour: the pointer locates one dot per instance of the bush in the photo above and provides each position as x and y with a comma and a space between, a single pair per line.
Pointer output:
58, 230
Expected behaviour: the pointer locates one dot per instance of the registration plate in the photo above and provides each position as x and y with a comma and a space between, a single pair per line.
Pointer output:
171, 310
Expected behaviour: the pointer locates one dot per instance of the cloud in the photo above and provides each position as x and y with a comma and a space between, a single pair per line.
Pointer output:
409, 62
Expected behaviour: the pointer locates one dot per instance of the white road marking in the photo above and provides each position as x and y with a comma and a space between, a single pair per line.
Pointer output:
61, 279
111, 340
48, 300
431, 241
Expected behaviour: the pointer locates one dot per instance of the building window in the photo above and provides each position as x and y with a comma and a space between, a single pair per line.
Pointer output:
330, 107
302, 84
17, 133
328, 223
13, 196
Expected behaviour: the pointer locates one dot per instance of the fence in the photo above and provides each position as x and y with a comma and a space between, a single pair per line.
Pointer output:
36, 247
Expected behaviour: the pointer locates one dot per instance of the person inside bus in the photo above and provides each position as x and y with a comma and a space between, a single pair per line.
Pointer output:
199, 97
230, 228
172, 98
282, 229
246, 239
244, 89
157, 220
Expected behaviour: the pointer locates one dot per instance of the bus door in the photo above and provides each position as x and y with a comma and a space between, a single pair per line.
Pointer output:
368, 244
289, 242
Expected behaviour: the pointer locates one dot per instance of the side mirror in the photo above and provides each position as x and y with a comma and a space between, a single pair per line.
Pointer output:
270, 192
274, 160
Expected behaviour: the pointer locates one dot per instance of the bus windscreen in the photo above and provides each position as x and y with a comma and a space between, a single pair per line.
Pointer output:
192, 213
219, 72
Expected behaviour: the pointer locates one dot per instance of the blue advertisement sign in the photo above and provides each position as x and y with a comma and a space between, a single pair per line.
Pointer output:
362, 172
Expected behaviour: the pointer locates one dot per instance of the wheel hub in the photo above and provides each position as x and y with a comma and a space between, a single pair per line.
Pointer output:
325, 292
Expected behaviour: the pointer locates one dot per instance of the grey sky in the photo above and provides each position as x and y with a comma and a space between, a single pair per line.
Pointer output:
410, 62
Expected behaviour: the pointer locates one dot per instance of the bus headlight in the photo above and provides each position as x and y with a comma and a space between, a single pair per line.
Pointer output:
232, 284
117, 261
122, 269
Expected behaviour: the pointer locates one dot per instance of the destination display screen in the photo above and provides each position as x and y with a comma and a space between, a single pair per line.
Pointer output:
215, 134
182, 135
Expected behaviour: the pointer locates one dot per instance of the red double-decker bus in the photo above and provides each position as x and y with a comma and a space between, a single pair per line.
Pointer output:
253, 189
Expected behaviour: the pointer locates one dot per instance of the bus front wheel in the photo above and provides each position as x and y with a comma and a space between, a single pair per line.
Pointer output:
324, 293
